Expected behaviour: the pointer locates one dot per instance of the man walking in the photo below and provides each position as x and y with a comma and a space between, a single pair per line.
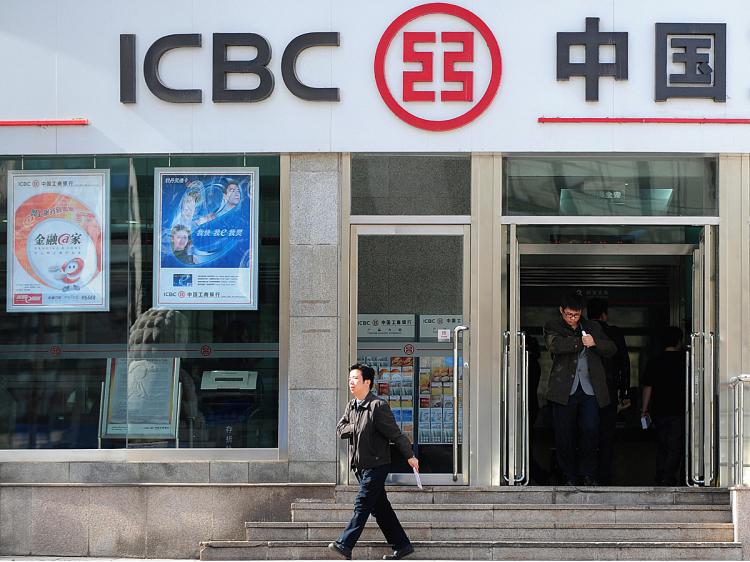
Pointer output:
577, 388
369, 426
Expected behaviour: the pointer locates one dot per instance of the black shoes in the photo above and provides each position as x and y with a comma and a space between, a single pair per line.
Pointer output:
340, 550
402, 552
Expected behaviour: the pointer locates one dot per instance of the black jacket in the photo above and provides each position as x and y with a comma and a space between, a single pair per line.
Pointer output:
370, 429
565, 344
617, 367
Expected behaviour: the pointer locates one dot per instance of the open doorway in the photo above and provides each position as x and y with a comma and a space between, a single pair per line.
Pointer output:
650, 278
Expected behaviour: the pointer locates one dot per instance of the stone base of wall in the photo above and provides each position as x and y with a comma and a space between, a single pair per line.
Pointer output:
740, 499
138, 520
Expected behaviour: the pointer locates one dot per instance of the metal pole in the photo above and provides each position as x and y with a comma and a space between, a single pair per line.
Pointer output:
504, 398
456, 331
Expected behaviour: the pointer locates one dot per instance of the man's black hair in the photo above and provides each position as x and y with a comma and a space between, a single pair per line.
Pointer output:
368, 373
672, 336
595, 308
573, 301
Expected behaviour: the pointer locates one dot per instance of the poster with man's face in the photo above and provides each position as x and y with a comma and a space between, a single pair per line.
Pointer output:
58, 241
206, 238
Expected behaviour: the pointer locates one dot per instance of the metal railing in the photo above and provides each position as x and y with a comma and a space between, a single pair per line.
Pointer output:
738, 401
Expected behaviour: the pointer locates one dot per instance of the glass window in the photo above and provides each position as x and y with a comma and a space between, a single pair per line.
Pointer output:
411, 184
54, 364
612, 186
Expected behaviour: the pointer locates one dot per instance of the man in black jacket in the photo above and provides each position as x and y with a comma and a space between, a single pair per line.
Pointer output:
617, 371
577, 388
370, 427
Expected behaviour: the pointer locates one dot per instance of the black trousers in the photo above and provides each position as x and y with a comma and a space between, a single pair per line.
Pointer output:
607, 427
577, 423
671, 450
372, 499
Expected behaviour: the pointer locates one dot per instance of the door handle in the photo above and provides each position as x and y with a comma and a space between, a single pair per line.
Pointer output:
456, 331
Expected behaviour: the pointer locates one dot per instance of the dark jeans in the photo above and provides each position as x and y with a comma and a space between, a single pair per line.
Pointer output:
671, 430
373, 499
577, 421
607, 426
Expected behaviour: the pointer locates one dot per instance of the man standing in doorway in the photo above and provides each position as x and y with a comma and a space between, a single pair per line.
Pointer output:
577, 388
370, 427
664, 401
617, 371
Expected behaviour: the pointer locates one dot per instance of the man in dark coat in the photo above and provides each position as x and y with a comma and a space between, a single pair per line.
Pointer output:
617, 371
577, 388
370, 427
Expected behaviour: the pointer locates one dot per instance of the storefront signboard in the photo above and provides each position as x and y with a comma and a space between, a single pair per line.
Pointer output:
206, 238
141, 399
401, 326
58, 241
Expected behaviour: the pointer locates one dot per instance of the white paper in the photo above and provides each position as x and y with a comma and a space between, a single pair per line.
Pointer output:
419, 480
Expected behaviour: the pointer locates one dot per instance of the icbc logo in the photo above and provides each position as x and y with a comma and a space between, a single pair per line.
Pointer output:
438, 67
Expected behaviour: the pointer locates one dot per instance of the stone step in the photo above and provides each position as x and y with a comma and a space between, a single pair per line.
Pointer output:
478, 550
565, 532
547, 494
536, 513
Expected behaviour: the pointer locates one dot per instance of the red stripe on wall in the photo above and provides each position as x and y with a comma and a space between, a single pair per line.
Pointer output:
644, 120
45, 123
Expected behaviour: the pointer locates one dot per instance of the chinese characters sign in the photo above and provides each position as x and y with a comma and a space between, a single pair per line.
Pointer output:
690, 59
58, 240
206, 238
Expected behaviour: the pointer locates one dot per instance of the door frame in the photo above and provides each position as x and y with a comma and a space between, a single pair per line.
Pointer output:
426, 228
515, 446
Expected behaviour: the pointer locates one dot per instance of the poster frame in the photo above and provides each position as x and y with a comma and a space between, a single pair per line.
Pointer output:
252, 302
104, 218
135, 431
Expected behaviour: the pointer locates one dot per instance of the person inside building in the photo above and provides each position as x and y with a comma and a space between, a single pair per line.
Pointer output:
369, 426
577, 388
617, 372
664, 403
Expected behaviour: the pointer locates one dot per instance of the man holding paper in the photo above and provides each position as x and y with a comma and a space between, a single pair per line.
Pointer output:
369, 426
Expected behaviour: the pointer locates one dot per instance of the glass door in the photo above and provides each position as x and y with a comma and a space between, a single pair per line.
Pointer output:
409, 294
701, 416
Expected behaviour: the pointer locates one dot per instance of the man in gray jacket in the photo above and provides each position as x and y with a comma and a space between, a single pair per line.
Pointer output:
370, 427
577, 388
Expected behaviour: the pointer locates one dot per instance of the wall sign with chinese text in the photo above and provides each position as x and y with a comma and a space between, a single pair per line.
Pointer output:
58, 241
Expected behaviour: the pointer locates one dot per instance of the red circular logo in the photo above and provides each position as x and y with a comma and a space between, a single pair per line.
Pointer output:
181, 294
426, 98
206, 350
55, 350
409, 349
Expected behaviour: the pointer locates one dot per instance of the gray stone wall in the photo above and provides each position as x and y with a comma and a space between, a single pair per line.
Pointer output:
314, 316
139, 521
740, 498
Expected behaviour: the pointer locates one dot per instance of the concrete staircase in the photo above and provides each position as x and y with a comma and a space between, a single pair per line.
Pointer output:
539, 523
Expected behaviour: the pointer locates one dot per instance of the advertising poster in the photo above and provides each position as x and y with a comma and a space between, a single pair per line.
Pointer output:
58, 241
141, 398
206, 238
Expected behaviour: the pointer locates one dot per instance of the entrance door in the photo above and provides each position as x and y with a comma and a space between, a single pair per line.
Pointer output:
671, 272
409, 294
701, 416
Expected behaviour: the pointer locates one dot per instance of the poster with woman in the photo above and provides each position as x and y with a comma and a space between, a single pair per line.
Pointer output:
206, 238
58, 241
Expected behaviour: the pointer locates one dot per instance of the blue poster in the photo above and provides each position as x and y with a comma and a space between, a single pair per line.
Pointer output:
206, 238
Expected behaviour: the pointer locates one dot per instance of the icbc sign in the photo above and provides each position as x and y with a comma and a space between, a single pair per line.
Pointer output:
438, 67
